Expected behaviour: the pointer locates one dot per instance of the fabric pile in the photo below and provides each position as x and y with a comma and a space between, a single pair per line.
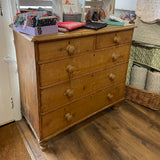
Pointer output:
153, 82
35, 22
68, 26
32, 18
145, 79
147, 34
138, 76
148, 22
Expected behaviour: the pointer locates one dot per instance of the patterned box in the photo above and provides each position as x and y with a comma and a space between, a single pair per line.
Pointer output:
34, 31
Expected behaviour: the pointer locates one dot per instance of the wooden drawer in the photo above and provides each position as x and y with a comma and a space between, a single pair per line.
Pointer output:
66, 116
65, 48
61, 94
59, 71
111, 39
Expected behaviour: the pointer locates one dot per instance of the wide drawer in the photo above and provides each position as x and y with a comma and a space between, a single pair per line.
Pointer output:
61, 94
65, 48
59, 71
58, 120
111, 39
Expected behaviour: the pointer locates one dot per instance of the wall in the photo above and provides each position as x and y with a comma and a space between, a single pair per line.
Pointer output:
9, 9
126, 4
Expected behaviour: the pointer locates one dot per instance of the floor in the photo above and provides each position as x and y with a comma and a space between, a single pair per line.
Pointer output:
11, 144
130, 133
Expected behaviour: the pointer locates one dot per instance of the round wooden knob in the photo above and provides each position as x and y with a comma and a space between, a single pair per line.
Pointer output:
69, 93
110, 96
117, 39
112, 76
115, 57
70, 69
68, 117
70, 50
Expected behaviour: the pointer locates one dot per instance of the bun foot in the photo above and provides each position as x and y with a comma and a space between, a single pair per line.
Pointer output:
43, 145
116, 107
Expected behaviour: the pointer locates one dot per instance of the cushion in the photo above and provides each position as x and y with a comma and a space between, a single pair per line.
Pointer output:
70, 25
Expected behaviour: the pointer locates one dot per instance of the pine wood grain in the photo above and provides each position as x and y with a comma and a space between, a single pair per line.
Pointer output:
116, 38
54, 122
76, 33
42, 66
25, 53
56, 96
54, 72
58, 49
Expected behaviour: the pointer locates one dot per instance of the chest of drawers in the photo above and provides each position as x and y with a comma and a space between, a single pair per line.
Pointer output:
66, 78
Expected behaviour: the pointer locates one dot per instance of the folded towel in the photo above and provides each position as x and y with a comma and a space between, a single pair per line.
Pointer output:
138, 77
95, 25
70, 25
113, 22
153, 82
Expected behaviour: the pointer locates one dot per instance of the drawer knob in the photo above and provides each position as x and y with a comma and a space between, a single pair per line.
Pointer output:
115, 57
117, 39
68, 117
69, 93
70, 50
112, 76
70, 69
110, 96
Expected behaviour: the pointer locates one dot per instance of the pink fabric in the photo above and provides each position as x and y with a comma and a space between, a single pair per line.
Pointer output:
70, 25
62, 30
148, 10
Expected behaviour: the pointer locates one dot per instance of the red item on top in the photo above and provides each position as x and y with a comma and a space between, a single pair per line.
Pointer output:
70, 25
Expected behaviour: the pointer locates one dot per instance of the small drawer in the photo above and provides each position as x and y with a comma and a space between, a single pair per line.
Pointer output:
58, 95
49, 51
113, 39
59, 120
60, 71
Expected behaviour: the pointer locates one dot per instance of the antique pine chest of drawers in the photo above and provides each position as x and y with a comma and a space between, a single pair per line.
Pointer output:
66, 78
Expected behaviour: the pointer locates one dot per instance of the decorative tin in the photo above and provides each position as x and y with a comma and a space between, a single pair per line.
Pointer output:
34, 31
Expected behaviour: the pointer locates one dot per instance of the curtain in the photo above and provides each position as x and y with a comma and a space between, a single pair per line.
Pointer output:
148, 10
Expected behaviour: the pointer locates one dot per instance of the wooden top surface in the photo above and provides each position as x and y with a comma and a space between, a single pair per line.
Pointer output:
76, 33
